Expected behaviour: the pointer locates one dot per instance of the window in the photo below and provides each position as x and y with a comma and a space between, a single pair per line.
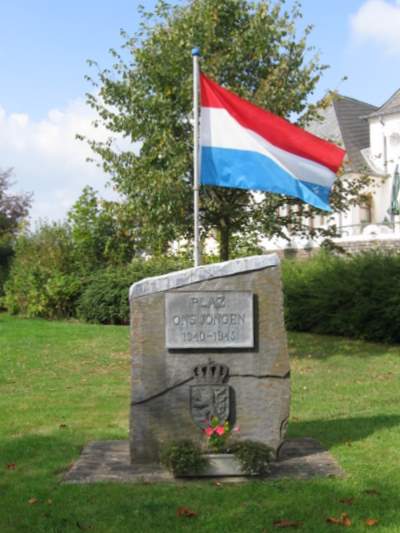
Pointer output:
366, 211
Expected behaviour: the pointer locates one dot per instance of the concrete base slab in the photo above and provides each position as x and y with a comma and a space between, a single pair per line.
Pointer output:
109, 461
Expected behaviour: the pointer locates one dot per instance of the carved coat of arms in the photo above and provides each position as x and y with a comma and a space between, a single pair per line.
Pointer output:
210, 396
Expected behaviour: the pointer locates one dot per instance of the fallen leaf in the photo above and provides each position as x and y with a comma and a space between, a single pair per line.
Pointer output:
62, 426
32, 501
217, 484
343, 521
346, 520
11, 466
347, 501
370, 522
372, 492
287, 523
184, 511
333, 520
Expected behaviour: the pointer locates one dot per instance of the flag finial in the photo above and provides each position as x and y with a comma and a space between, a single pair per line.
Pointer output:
195, 51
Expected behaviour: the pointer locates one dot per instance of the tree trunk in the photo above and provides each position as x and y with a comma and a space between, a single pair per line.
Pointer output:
224, 235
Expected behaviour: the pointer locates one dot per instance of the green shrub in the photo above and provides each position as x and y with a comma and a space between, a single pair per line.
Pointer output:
357, 296
105, 298
254, 457
47, 279
183, 457
42, 280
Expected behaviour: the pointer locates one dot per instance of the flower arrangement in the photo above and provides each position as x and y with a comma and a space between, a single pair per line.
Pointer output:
218, 433
186, 458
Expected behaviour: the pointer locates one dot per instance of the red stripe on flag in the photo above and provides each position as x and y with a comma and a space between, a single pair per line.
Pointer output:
274, 129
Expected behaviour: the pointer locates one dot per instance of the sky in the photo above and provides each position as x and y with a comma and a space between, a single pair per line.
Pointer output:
44, 48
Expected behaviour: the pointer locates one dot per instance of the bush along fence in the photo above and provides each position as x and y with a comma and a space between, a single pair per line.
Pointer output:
357, 296
102, 296
354, 296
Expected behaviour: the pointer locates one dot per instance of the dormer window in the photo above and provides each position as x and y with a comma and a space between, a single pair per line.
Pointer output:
366, 211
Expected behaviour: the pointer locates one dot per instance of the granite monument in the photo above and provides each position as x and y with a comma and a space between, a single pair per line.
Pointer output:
208, 341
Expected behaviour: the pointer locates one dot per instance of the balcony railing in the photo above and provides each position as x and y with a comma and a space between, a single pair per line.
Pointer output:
369, 230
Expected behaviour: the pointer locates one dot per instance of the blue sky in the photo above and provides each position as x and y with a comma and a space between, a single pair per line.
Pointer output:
44, 45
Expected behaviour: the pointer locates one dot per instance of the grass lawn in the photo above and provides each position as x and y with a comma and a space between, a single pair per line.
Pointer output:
64, 384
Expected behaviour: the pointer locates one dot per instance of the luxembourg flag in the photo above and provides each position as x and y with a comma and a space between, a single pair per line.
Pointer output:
245, 147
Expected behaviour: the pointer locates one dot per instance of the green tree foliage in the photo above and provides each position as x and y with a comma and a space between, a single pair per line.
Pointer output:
103, 232
43, 280
13, 210
105, 297
251, 48
13, 207
51, 277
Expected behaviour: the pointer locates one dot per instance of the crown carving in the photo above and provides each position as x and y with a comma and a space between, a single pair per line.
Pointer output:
211, 373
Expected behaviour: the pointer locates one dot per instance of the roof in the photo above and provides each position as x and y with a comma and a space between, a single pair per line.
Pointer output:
344, 123
390, 106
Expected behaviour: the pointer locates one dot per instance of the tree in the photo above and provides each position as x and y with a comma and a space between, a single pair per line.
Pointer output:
42, 280
13, 207
251, 48
103, 232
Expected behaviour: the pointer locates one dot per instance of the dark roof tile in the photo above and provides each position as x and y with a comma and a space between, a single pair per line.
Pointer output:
343, 124
390, 106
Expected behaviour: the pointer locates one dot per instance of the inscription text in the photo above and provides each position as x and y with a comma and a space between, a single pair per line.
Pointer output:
209, 319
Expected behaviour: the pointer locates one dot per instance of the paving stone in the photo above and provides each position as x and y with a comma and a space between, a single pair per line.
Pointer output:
109, 461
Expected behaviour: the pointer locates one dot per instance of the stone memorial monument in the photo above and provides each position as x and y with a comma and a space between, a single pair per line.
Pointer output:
208, 341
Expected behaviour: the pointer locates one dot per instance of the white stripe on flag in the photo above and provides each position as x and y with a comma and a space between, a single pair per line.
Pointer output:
218, 129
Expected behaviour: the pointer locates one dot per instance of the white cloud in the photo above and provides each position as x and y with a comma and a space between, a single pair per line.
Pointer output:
48, 160
378, 21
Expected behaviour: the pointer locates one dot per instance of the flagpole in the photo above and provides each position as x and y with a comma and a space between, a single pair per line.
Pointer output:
196, 181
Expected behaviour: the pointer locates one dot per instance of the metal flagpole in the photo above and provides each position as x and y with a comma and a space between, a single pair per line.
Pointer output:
196, 180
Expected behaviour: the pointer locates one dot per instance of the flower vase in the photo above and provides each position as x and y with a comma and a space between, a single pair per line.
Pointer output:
220, 465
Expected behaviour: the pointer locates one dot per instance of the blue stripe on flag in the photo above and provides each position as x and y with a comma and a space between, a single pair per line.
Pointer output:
241, 169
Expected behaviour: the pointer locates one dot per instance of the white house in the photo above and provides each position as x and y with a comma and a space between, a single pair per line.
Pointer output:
383, 156
371, 137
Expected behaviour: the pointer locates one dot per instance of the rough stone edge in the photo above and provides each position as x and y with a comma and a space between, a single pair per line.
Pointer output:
319, 462
193, 275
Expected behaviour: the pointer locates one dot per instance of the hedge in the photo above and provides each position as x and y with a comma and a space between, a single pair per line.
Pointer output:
105, 298
46, 281
357, 296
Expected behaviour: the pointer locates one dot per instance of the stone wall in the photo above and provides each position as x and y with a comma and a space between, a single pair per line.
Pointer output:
351, 247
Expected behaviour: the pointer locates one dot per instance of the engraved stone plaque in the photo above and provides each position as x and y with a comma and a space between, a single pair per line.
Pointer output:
209, 319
